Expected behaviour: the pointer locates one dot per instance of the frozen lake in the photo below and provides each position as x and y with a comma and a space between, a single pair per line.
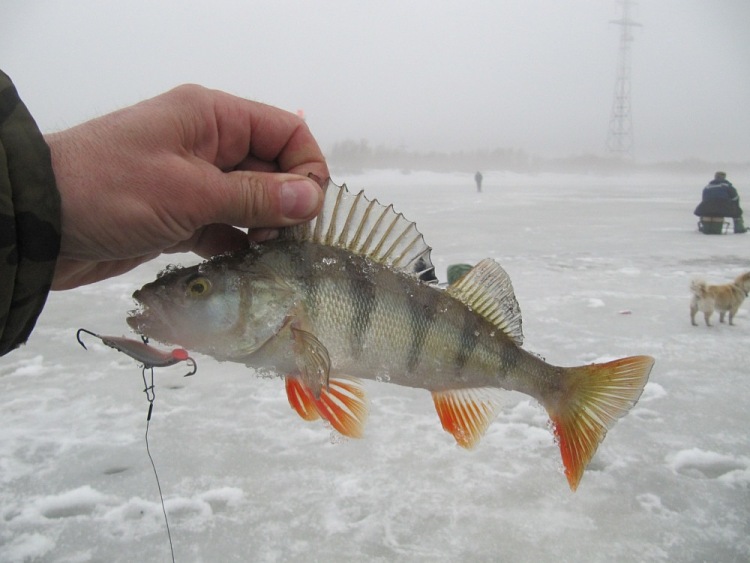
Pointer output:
601, 267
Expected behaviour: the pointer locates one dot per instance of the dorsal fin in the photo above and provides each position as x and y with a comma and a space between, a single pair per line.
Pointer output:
367, 228
487, 289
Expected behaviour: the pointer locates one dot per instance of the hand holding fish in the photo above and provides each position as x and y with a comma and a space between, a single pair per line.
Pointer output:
177, 173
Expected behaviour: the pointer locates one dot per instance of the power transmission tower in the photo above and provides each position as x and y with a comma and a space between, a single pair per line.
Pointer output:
620, 136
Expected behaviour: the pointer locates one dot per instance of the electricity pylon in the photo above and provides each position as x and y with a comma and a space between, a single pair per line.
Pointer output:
620, 136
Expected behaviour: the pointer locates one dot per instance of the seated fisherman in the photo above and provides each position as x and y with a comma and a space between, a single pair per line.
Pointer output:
720, 199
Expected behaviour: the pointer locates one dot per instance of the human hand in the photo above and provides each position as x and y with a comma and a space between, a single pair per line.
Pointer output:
177, 173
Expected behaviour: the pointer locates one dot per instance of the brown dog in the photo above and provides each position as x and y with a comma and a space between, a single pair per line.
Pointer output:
723, 298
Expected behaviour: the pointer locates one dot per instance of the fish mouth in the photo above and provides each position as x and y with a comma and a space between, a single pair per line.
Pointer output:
148, 319
139, 316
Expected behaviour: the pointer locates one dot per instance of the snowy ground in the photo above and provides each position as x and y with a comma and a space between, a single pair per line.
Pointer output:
601, 267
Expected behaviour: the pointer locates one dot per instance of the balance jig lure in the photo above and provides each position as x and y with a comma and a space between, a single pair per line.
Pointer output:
142, 352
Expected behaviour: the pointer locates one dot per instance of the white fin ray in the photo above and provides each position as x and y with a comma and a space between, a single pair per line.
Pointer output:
487, 289
367, 228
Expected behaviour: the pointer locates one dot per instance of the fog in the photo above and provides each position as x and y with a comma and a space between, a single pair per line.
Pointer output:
245, 479
533, 75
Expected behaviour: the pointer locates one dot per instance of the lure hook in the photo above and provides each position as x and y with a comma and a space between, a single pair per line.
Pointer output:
78, 336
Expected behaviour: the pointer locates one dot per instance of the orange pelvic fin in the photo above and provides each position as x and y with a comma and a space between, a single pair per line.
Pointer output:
466, 413
593, 398
299, 400
343, 404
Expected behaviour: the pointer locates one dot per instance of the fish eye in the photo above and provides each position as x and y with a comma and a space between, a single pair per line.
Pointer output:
199, 286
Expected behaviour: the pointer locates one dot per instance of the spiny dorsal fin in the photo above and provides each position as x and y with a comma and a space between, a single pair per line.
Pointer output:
368, 228
487, 289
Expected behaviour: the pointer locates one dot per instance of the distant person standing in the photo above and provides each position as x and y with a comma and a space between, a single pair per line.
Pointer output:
720, 199
478, 179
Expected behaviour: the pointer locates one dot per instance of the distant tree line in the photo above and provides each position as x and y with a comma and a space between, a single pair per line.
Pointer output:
356, 156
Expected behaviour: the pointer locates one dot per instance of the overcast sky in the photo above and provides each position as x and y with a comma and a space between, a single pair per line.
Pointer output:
536, 75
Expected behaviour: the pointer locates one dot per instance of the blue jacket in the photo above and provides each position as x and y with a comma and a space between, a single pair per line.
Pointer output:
720, 199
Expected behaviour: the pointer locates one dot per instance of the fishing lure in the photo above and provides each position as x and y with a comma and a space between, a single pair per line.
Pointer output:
142, 352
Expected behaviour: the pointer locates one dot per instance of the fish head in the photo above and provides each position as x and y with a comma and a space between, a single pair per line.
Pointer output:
221, 309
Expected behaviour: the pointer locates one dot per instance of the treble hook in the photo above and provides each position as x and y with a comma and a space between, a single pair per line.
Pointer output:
140, 351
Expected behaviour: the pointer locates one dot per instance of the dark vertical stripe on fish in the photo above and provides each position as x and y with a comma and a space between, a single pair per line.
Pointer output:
303, 262
422, 310
468, 340
362, 294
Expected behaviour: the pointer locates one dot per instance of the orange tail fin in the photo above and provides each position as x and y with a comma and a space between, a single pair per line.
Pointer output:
593, 398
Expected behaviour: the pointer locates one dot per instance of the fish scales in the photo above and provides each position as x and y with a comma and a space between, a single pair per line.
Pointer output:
344, 298
386, 325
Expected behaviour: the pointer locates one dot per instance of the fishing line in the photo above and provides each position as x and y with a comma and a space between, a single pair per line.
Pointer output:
151, 395
149, 357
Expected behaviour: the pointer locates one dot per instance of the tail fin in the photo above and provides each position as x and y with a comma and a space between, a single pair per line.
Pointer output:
593, 398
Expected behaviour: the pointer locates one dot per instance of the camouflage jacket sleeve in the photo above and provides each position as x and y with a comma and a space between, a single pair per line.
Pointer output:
29, 219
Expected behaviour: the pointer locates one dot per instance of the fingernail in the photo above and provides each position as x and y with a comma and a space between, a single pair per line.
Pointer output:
299, 198
262, 235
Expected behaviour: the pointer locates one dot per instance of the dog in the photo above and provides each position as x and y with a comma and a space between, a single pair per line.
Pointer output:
725, 298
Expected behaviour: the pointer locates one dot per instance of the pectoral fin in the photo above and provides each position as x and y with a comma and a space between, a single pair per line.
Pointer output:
466, 413
312, 359
343, 403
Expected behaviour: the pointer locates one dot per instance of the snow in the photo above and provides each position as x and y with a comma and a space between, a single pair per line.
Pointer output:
601, 267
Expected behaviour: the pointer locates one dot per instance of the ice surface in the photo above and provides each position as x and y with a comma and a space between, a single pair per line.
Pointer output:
601, 267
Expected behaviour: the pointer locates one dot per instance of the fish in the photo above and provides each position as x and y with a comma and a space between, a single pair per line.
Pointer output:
352, 295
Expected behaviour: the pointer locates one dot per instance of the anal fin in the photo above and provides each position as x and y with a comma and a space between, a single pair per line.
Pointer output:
466, 413
343, 404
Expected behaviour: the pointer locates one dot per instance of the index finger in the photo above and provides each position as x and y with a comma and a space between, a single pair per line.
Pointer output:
267, 134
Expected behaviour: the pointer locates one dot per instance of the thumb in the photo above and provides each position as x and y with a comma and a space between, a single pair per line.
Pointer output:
265, 199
